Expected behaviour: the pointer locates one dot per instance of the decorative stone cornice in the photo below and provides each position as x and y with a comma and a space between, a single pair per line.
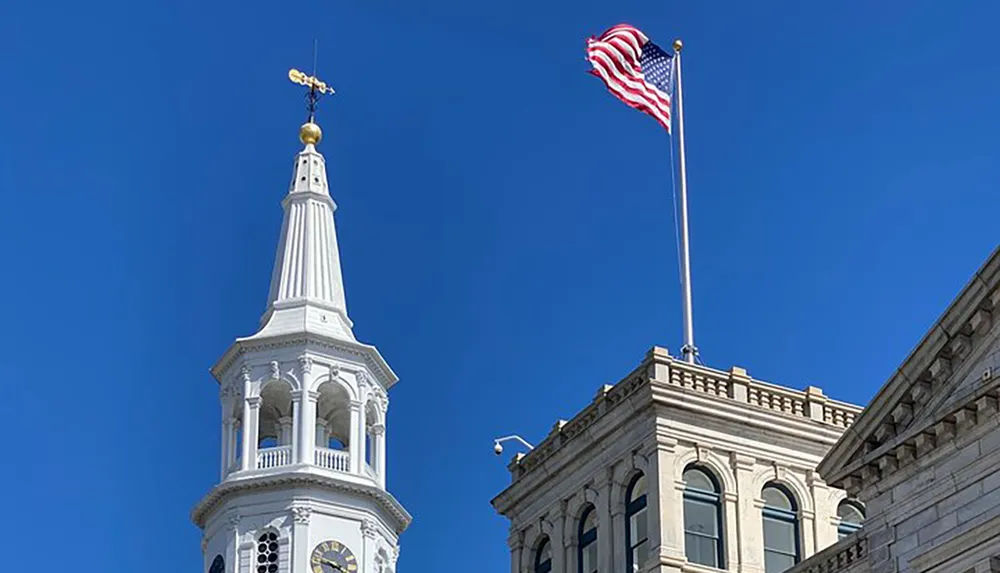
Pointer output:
606, 398
883, 461
917, 397
365, 353
399, 518
812, 407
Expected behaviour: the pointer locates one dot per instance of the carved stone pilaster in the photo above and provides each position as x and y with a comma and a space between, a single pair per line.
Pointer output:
302, 514
305, 364
368, 528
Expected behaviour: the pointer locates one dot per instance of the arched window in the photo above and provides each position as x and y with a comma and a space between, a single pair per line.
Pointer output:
267, 552
636, 523
781, 529
851, 515
702, 518
587, 540
543, 557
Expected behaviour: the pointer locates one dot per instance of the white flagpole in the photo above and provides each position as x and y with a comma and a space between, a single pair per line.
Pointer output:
689, 351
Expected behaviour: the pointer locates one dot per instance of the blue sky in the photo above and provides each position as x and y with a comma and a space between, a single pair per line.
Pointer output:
505, 228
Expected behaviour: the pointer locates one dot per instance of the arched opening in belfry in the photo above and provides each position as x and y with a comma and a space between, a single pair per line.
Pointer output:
333, 427
275, 425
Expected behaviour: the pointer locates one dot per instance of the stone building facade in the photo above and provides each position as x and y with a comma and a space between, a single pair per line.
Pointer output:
925, 453
680, 467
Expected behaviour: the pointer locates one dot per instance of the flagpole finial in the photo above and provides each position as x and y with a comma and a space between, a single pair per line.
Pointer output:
678, 45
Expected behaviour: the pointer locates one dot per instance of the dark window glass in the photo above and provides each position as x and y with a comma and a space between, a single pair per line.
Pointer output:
781, 525
267, 553
702, 518
587, 541
851, 515
636, 524
543, 557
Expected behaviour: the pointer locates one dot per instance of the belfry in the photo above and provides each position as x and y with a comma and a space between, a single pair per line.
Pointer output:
303, 464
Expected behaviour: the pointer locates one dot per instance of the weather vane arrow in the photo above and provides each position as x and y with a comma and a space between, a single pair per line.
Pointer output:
317, 88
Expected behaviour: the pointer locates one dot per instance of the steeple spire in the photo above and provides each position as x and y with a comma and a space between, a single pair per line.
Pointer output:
307, 288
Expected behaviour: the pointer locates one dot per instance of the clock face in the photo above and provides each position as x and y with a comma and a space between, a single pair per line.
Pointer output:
332, 557
218, 565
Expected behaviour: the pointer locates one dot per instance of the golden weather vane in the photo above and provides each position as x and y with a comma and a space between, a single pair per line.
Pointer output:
317, 88
310, 132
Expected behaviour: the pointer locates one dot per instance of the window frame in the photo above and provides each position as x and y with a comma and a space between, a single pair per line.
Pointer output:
585, 538
632, 507
543, 566
713, 498
264, 537
845, 528
783, 516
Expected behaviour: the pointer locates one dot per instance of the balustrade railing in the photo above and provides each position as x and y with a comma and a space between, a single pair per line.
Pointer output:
274, 457
336, 460
738, 385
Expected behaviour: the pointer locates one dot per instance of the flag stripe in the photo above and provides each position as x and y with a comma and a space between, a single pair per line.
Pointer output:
618, 57
627, 79
627, 72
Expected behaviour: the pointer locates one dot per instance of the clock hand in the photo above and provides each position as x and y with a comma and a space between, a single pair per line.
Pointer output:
334, 565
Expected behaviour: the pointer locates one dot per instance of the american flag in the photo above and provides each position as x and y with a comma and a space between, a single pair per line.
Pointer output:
634, 69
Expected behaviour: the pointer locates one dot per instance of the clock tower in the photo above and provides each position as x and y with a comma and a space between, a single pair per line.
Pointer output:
303, 464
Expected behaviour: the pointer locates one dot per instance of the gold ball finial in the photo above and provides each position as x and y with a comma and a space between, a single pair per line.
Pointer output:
678, 44
310, 133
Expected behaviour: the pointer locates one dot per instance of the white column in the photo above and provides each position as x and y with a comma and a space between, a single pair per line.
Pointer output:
363, 439
322, 433
250, 432
605, 548
825, 533
618, 532
807, 519
730, 528
226, 441
286, 425
750, 533
354, 440
380, 455
664, 506
296, 457
557, 539
570, 546
300, 549
516, 543
307, 426
235, 442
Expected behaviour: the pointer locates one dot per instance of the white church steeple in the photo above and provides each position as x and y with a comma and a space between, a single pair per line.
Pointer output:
304, 404
307, 287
